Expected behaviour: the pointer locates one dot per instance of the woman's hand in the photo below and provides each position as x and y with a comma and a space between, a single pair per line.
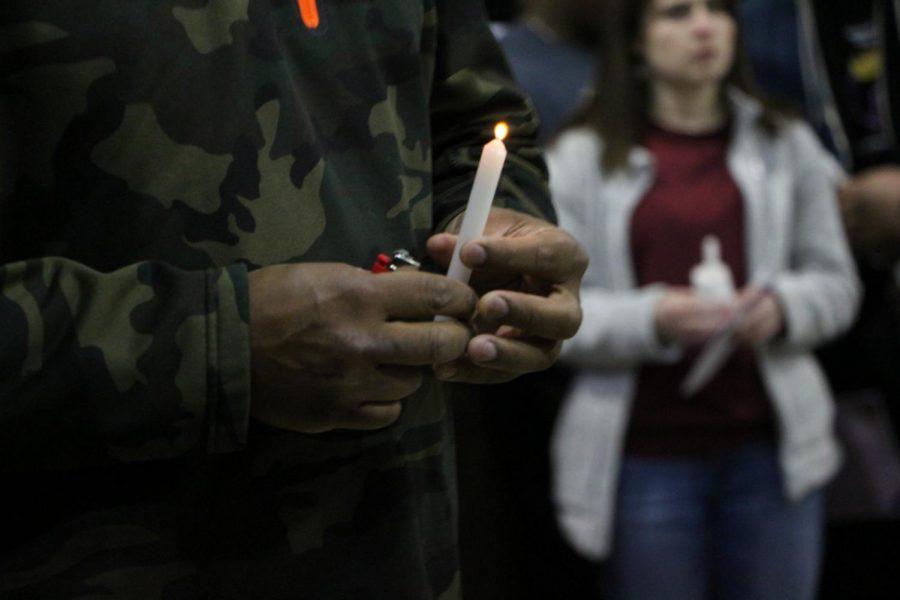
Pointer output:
687, 319
762, 319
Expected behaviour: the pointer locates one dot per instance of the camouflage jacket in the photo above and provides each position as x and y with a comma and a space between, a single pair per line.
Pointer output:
151, 153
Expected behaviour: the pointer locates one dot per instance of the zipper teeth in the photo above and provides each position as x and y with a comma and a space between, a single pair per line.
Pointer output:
309, 12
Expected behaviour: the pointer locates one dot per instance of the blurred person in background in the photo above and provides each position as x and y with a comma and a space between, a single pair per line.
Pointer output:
839, 62
719, 494
551, 50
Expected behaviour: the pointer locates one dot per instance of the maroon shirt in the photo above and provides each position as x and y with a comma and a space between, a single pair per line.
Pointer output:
693, 195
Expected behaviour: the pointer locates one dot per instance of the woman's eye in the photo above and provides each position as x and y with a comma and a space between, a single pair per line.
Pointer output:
676, 11
717, 6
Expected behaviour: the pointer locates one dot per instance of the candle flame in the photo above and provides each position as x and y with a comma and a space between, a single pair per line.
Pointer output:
309, 12
501, 131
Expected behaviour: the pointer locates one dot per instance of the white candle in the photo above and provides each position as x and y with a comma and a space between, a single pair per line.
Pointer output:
487, 177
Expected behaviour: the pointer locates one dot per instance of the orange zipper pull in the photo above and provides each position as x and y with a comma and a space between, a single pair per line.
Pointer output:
309, 12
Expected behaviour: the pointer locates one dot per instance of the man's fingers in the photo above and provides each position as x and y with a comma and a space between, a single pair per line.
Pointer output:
464, 371
512, 355
371, 415
550, 254
413, 295
496, 360
555, 317
385, 383
420, 344
440, 248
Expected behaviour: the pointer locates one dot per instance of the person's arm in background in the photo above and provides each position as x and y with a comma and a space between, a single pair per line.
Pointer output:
869, 200
870, 204
533, 267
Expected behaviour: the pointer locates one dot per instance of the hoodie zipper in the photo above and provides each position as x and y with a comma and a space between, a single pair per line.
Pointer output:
309, 12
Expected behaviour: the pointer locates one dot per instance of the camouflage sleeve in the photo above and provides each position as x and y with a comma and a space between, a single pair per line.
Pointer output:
145, 363
473, 90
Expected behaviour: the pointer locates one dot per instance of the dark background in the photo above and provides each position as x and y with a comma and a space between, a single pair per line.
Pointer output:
501, 10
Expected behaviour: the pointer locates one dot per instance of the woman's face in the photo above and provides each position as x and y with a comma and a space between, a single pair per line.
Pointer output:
688, 43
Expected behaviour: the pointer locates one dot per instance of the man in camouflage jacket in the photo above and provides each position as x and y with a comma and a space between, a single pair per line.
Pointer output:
202, 395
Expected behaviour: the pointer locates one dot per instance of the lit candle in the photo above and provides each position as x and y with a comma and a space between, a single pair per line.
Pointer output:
309, 12
487, 177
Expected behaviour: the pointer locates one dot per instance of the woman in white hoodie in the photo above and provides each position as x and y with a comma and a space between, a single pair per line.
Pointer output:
717, 494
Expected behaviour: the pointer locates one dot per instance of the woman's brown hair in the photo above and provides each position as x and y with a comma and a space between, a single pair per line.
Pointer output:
619, 108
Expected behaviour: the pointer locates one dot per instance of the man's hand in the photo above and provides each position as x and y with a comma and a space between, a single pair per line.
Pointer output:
870, 205
687, 319
530, 274
335, 346
763, 319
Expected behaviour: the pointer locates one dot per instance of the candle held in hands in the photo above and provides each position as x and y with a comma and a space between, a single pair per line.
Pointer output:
487, 177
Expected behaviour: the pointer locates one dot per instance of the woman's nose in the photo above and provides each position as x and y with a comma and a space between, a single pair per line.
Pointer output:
702, 20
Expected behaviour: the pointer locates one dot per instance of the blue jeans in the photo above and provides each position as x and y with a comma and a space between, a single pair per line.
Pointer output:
720, 527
